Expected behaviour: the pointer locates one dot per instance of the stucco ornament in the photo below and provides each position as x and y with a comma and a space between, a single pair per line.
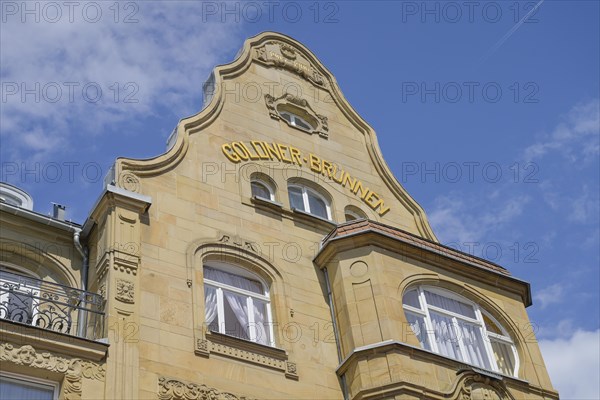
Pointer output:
74, 369
125, 291
171, 389
475, 386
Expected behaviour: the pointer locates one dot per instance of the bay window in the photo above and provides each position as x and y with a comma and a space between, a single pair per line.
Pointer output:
455, 327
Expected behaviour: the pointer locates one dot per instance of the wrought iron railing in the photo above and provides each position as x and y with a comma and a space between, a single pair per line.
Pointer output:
51, 306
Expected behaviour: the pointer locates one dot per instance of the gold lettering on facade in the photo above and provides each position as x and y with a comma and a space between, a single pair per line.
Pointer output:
260, 150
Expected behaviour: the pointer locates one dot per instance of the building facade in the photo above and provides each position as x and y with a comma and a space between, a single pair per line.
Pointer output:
269, 253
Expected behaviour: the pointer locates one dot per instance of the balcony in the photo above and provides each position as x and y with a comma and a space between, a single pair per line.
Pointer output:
51, 306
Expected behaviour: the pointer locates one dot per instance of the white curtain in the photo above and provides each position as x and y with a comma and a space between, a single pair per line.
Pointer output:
210, 304
445, 336
237, 303
504, 357
262, 330
473, 342
449, 304
417, 324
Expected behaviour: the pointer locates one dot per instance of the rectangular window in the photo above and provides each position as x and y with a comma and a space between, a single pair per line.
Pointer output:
25, 388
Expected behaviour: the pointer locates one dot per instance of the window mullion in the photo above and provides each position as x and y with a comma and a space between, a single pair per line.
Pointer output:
251, 325
459, 337
305, 200
428, 323
486, 341
220, 310
270, 322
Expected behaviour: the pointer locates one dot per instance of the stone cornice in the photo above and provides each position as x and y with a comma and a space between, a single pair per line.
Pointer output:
21, 334
468, 377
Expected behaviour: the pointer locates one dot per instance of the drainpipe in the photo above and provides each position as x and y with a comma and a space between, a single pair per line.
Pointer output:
83, 251
335, 332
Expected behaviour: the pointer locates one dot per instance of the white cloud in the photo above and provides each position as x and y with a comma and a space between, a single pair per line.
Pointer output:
160, 61
574, 364
576, 137
552, 294
454, 217
585, 208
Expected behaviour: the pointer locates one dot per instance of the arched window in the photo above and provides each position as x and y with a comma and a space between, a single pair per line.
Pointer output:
262, 189
237, 303
455, 327
309, 200
352, 213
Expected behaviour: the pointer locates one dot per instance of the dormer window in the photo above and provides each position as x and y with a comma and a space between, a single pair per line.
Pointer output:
296, 120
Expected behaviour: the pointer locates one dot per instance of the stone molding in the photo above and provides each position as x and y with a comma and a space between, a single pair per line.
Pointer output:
73, 369
244, 350
173, 389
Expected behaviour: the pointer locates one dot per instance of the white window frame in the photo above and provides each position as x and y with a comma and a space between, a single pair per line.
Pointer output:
250, 297
32, 381
293, 118
305, 191
478, 321
266, 185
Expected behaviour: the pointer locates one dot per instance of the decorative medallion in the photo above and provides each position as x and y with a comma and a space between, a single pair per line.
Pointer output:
125, 291
129, 181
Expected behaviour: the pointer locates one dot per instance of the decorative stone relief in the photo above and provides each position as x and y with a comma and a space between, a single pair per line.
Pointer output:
74, 369
171, 389
202, 347
239, 242
319, 122
475, 386
129, 181
246, 351
291, 370
125, 291
285, 56
102, 290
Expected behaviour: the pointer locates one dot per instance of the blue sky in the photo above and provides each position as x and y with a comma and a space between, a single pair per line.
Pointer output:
490, 122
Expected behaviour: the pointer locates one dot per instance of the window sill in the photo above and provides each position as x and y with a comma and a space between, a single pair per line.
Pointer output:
246, 351
313, 218
267, 202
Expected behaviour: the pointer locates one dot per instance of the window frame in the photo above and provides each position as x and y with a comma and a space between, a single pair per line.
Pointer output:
478, 321
250, 297
269, 188
306, 203
33, 381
